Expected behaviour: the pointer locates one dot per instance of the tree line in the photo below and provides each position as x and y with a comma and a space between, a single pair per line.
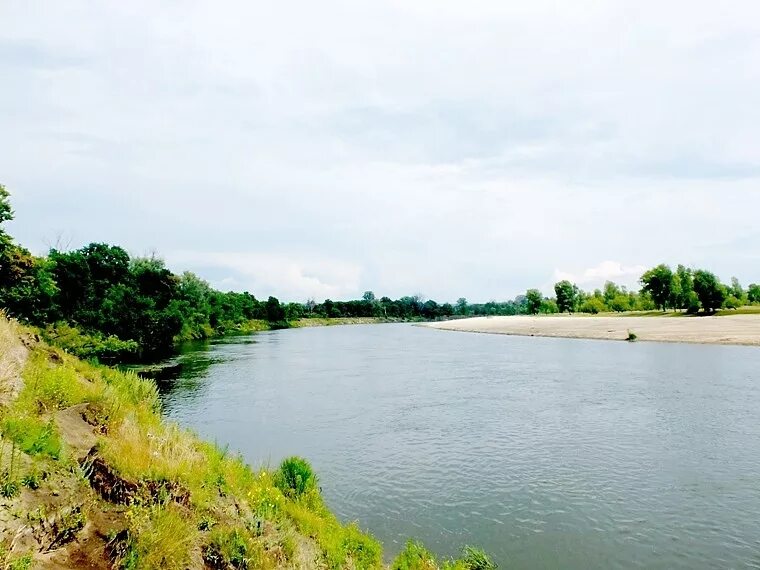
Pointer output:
662, 288
100, 302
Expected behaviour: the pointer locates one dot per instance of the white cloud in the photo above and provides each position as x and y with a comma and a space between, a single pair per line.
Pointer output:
264, 274
441, 147
595, 277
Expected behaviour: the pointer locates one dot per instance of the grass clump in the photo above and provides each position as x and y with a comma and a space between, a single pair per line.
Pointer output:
476, 559
414, 557
295, 477
229, 549
632, 336
158, 537
32, 435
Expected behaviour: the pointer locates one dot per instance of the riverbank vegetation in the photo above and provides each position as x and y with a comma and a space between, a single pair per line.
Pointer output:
98, 302
92, 476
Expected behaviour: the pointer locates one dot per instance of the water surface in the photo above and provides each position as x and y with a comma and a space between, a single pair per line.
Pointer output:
549, 453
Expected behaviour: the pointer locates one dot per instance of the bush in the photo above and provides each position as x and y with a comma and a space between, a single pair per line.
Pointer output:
593, 305
90, 346
295, 477
732, 302
631, 336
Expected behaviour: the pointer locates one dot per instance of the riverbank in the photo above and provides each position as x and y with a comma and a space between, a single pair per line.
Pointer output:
742, 329
92, 476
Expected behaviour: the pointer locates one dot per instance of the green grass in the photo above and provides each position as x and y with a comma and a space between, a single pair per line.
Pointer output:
209, 502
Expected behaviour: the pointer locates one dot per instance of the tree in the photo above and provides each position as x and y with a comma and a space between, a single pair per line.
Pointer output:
565, 292
658, 282
369, 296
275, 312
753, 293
736, 289
709, 290
533, 298
611, 290
6, 212
461, 306
594, 304
684, 288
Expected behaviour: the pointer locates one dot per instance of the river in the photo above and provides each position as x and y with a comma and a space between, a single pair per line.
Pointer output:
548, 453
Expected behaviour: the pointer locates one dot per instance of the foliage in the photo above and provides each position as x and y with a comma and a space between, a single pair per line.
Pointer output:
566, 296
414, 557
33, 435
107, 349
295, 477
659, 283
709, 290
533, 298
476, 559
593, 305
753, 293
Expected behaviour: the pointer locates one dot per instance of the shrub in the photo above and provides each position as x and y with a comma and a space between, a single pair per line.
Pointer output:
90, 346
631, 336
732, 302
295, 477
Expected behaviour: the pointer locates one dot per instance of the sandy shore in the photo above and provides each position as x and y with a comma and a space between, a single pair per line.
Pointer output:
731, 329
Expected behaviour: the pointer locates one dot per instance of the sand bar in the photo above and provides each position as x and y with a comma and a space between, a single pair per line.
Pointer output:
729, 329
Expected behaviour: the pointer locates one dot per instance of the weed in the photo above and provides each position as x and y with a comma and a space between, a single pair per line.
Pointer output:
65, 526
414, 557
476, 559
631, 336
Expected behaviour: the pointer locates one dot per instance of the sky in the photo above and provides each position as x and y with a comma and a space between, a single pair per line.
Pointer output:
321, 149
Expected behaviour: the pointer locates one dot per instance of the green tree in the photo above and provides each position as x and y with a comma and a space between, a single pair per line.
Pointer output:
533, 298
611, 291
737, 290
594, 304
658, 282
565, 293
709, 290
275, 312
753, 293
461, 307
6, 212
684, 287
369, 296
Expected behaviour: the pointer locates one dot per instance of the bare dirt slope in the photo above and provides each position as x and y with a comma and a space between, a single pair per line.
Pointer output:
730, 329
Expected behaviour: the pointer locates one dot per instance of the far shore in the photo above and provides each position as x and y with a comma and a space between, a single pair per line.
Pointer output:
730, 329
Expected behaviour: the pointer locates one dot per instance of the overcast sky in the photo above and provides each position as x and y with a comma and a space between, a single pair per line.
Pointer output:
446, 148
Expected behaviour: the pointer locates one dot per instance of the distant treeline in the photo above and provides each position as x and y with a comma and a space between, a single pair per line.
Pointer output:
98, 302
685, 289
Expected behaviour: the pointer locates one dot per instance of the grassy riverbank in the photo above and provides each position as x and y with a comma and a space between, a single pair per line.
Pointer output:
92, 476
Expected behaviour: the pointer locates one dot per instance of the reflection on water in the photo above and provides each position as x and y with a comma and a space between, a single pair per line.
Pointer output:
549, 453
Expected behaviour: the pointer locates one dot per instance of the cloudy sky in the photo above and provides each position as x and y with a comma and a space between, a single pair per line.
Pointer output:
445, 148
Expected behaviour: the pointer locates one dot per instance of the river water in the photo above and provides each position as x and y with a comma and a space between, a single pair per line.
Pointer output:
548, 453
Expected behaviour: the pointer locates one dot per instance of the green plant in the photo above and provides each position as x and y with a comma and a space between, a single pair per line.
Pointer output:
228, 549
22, 563
414, 557
476, 559
295, 477
631, 336
66, 524
33, 435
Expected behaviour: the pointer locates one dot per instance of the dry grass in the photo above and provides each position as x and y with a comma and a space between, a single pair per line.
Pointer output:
12, 358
